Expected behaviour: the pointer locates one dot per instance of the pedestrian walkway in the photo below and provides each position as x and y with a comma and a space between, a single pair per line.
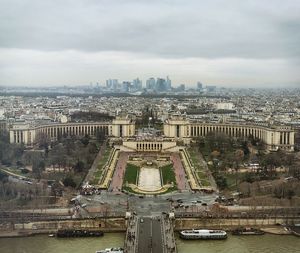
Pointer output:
117, 180
170, 243
182, 183
131, 235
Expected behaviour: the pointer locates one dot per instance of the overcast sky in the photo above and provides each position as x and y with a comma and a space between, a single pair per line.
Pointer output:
237, 43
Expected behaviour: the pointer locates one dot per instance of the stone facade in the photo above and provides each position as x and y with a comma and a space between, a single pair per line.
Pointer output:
28, 135
3, 125
176, 128
275, 137
149, 145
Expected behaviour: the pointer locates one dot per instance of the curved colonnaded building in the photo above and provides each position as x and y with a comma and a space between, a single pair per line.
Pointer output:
176, 127
28, 134
275, 137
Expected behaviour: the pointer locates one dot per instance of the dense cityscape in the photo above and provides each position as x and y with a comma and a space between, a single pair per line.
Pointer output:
80, 156
149, 126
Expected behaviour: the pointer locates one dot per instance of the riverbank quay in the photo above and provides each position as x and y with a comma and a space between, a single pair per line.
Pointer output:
48, 227
230, 223
120, 224
276, 230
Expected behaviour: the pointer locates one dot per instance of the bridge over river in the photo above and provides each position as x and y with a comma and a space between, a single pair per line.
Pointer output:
150, 234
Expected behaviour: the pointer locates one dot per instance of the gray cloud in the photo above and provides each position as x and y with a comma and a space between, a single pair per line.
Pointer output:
251, 29
215, 41
71, 67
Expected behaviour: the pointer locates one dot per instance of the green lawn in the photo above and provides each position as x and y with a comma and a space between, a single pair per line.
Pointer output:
104, 158
168, 174
201, 175
16, 171
205, 182
231, 179
131, 173
200, 171
102, 162
193, 156
97, 175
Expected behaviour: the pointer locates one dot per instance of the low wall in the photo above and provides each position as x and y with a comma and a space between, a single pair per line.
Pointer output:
111, 224
120, 225
190, 223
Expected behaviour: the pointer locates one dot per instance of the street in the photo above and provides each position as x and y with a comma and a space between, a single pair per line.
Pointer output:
150, 235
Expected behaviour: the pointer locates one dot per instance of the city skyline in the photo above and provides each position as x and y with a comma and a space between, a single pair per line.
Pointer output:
231, 44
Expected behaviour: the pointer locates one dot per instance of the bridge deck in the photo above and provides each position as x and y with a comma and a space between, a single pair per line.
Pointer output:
150, 235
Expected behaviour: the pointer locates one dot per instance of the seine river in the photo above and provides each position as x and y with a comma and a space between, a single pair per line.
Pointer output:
234, 244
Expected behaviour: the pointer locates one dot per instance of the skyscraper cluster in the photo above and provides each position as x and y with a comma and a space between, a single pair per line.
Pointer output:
152, 84
124, 86
160, 84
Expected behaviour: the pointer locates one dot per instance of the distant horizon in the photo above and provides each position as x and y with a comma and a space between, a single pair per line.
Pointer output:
230, 43
191, 86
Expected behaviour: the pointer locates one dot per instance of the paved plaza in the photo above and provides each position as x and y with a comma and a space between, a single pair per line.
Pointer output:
149, 179
118, 176
182, 183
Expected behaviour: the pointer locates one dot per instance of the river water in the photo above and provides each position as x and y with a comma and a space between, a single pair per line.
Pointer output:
234, 244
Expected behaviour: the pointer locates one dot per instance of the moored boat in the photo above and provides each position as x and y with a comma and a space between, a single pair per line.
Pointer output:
111, 250
78, 233
247, 231
203, 234
295, 230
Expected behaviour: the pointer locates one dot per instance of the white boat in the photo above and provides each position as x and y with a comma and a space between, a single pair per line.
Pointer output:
204, 234
111, 250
